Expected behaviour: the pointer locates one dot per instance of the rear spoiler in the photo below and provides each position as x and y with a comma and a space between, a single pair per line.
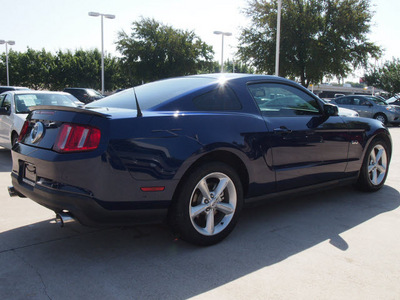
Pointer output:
68, 108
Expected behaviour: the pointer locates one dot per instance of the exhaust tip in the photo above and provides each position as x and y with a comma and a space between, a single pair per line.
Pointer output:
63, 218
12, 192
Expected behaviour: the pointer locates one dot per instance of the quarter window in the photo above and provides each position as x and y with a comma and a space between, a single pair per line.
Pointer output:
279, 100
222, 98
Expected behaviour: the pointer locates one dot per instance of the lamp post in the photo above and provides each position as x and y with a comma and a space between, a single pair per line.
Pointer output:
7, 43
107, 16
278, 37
222, 50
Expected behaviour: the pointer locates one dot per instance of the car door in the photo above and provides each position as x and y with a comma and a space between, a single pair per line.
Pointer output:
305, 146
5, 120
364, 107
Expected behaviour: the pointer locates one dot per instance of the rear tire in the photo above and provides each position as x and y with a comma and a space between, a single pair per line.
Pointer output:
375, 166
208, 204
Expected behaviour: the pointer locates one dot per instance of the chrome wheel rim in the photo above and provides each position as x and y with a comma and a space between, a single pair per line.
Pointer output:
377, 165
213, 204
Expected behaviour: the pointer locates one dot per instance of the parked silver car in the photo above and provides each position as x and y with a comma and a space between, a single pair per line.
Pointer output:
14, 107
370, 107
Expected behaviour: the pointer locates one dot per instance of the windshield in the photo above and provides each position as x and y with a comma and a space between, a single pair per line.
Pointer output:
378, 101
93, 93
24, 101
152, 94
393, 99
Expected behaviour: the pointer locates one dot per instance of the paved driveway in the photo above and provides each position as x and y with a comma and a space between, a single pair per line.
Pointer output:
338, 244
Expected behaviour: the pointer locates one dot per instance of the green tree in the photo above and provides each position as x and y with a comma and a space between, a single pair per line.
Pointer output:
31, 68
44, 70
155, 51
318, 38
386, 77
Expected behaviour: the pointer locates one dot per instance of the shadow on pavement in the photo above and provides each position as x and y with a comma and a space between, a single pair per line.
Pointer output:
146, 262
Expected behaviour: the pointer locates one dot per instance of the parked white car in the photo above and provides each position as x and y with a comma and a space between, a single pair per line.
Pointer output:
14, 107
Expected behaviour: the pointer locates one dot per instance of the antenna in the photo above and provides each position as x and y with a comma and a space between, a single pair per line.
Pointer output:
139, 111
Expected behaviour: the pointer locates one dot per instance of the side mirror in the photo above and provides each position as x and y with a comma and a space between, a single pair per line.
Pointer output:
331, 110
4, 111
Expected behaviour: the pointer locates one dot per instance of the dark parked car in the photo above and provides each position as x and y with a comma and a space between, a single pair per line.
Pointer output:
11, 88
84, 95
193, 150
370, 107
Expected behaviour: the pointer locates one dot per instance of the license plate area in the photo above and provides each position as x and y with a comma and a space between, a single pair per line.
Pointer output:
29, 173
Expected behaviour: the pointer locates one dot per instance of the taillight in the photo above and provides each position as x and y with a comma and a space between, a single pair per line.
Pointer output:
23, 132
75, 138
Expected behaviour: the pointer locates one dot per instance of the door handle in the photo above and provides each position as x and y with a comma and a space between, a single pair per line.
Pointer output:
282, 130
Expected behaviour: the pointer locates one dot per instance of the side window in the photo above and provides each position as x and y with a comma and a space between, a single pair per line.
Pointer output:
346, 101
222, 98
359, 101
280, 100
6, 101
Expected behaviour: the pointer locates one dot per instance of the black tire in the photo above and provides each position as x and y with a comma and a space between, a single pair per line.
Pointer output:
381, 117
207, 205
14, 139
375, 166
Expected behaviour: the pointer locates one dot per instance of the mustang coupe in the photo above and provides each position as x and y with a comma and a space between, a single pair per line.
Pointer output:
192, 151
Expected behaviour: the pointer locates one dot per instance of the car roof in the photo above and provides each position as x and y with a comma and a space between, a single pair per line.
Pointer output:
77, 88
14, 87
231, 76
23, 92
355, 95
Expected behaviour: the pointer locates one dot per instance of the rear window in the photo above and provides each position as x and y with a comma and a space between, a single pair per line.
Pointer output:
152, 94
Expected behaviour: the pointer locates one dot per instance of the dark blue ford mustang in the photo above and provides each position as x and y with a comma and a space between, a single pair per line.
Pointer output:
192, 150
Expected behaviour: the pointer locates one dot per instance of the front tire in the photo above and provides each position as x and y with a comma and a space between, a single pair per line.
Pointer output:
208, 204
375, 166
382, 118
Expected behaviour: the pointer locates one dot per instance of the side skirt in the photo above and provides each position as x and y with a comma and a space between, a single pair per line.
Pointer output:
302, 191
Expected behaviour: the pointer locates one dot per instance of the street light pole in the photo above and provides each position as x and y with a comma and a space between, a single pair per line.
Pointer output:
108, 16
222, 50
7, 43
278, 38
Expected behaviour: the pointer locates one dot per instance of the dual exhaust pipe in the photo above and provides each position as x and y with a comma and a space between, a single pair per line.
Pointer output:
62, 218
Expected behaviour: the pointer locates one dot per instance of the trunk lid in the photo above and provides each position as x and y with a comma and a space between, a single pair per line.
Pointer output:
43, 124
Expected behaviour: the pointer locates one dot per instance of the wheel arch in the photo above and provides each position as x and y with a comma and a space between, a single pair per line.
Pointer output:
383, 136
223, 156
387, 140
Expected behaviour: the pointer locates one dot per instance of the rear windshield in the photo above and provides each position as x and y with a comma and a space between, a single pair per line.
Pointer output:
152, 94
24, 101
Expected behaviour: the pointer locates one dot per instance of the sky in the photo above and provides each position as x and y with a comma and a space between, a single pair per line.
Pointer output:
64, 24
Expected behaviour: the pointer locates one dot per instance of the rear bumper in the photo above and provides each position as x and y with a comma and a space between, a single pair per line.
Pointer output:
90, 211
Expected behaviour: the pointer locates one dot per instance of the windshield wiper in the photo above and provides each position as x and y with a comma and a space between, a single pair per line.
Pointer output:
139, 111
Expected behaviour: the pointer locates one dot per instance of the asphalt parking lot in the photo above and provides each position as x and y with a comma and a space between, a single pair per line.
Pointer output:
338, 244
